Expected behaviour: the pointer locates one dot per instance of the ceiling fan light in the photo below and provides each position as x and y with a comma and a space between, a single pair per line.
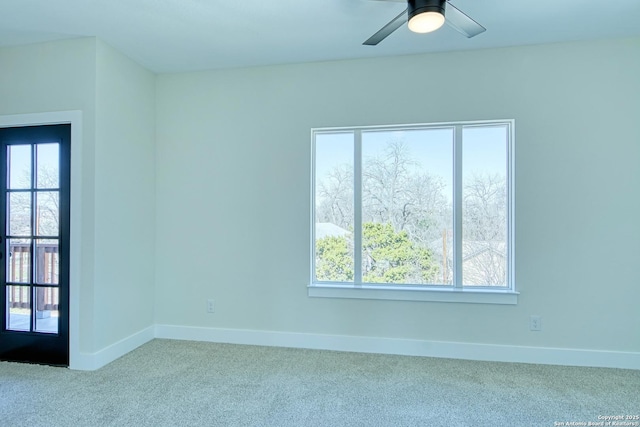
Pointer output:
425, 15
426, 22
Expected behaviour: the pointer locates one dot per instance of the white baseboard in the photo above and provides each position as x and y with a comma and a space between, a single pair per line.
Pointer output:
406, 347
93, 361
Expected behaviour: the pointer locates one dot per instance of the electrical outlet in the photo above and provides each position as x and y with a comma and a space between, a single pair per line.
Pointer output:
210, 306
535, 323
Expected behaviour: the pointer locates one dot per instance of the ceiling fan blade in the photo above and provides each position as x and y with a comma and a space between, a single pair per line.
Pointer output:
462, 23
387, 29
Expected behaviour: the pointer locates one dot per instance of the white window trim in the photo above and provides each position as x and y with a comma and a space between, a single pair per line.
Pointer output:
402, 293
455, 293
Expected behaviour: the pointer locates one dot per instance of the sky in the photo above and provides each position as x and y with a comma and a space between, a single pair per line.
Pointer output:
20, 163
483, 150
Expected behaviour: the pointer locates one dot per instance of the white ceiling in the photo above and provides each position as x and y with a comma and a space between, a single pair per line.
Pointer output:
187, 35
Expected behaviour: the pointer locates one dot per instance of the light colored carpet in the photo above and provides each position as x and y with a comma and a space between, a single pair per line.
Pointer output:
182, 383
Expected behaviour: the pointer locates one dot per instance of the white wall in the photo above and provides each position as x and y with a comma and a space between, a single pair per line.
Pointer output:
228, 184
124, 197
117, 100
60, 76
233, 201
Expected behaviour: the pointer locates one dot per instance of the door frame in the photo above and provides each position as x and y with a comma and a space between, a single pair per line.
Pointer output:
74, 118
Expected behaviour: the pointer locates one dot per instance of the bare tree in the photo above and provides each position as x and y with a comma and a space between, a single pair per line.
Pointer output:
46, 205
485, 208
334, 197
397, 190
385, 186
485, 230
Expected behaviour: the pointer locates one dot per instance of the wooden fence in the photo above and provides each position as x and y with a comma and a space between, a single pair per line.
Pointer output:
46, 272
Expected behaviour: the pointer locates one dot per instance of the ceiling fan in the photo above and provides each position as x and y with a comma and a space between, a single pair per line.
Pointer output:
425, 16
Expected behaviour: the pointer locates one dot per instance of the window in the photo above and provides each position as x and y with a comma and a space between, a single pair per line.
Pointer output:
414, 212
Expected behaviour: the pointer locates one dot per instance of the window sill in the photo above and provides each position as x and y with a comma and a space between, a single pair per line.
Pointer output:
474, 296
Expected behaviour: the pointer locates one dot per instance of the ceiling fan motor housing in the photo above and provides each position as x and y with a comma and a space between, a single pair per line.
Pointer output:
417, 7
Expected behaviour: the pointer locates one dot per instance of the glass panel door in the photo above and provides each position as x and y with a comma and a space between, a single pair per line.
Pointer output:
34, 205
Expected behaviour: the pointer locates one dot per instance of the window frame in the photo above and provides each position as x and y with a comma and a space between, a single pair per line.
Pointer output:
420, 292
